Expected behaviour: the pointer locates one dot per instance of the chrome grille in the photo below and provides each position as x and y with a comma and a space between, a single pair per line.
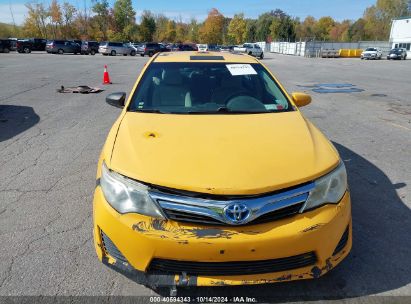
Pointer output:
212, 211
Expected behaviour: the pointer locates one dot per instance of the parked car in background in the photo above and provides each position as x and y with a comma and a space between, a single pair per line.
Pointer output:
173, 47
227, 48
13, 42
79, 42
187, 47
5, 45
31, 44
397, 53
252, 49
371, 53
213, 48
89, 47
135, 45
62, 46
202, 47
152, 48
116, 48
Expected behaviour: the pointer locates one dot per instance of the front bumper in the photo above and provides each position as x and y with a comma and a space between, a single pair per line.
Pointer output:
140, 239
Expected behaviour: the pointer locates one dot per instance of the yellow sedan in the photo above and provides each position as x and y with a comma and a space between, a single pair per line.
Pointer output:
212, 176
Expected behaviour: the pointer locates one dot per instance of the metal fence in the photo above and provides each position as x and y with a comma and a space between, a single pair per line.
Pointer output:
315, 48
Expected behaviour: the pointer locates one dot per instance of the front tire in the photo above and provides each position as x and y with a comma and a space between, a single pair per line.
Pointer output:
113, 53
26, 50
142, 55
60, 52
150, 54
133, 53
262, 56
93, 52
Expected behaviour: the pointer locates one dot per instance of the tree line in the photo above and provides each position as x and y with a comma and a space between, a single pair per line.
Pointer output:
118, 23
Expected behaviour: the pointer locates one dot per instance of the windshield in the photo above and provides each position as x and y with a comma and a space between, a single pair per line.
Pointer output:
371, 50
208, 88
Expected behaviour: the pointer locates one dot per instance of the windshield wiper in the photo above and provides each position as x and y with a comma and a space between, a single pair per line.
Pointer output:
225, 110
149, 111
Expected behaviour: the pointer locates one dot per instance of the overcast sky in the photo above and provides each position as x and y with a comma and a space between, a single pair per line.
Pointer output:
338, 9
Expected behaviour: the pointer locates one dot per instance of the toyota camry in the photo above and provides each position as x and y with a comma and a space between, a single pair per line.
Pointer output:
212, 176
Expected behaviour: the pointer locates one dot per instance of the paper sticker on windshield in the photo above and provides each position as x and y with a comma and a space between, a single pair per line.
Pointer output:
241, 69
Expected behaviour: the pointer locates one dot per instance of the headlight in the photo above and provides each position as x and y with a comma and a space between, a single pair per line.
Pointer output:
126, 195
328, 189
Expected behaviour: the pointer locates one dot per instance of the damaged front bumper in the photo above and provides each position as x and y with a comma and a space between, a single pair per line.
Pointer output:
130, 243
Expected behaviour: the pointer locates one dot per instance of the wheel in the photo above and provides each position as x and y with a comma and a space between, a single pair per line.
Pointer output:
93, 52
133, 53
105, 54
262, 56
6, 50
124, 54
142, 55
250, 53
150, 54
113, 53
60, 51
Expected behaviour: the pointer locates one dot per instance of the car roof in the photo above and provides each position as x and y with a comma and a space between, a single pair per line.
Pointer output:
186, 57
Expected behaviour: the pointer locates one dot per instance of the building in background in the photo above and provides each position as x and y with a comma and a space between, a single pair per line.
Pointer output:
401, 34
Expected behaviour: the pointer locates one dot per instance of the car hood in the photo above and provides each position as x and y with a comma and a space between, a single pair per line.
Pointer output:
370, 52
221, 154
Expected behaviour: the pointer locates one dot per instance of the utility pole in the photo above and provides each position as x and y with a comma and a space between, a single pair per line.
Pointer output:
12, 17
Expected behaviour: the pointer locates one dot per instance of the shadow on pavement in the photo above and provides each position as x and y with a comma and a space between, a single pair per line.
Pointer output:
379, 260
15, 120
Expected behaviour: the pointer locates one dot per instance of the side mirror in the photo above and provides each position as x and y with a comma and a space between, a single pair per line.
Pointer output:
301, 99
116, 99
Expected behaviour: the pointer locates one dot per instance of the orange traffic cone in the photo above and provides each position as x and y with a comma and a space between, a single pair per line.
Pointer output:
106, 77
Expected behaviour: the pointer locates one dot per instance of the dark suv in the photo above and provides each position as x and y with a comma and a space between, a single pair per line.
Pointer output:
151, 48
187, 47
5, 45
89, 47
397, 53
32, 44
62, 46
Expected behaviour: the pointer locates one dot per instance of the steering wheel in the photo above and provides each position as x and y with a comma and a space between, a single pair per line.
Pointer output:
237, 94
242, 101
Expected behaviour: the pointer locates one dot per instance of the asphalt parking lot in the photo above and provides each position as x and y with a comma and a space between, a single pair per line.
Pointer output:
50, 143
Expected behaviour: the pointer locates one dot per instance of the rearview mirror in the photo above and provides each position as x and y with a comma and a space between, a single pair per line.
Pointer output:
301, 99
116, 99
